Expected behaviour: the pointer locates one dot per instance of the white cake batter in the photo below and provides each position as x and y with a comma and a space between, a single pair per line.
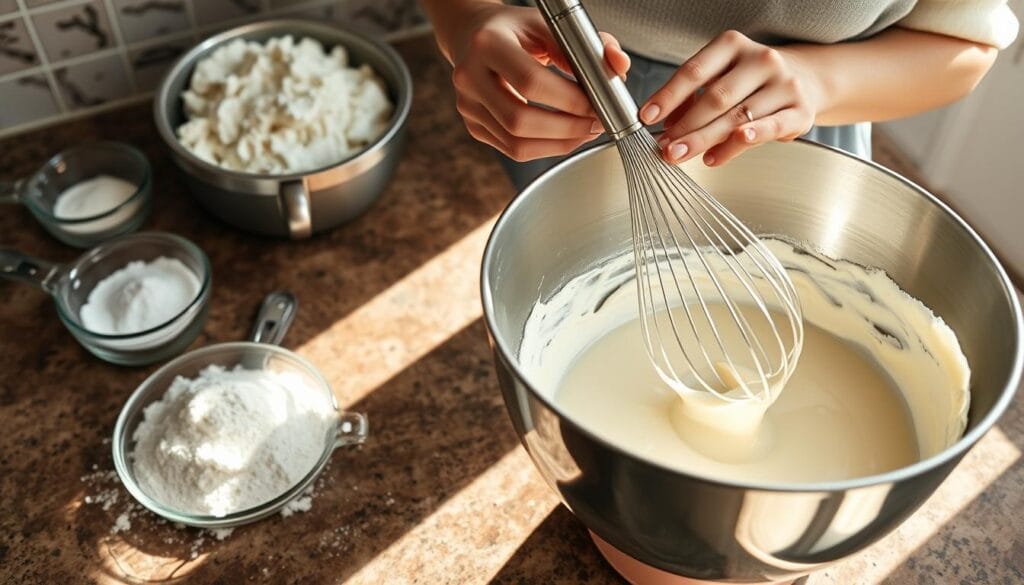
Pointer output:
881, 382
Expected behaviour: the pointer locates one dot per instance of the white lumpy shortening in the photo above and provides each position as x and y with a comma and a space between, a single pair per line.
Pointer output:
282, 106
881, 383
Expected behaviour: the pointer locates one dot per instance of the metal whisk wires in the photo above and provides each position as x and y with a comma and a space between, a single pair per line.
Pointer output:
718, 311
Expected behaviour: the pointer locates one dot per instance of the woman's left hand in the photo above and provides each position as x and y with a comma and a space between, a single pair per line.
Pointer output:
752, 94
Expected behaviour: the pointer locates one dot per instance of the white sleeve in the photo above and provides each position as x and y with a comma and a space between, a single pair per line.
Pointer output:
990, 22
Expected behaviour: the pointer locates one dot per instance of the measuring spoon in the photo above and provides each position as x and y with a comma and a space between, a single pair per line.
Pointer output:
70, 285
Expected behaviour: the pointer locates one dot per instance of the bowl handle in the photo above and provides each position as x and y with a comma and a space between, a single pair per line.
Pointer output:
10, 191
353, 428
274, 317
297, 208
21, 267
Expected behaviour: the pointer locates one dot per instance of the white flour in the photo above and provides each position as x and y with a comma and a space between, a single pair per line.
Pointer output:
229, 440
140, 296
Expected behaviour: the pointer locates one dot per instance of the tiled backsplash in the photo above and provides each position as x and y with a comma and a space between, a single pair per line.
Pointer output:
61, 58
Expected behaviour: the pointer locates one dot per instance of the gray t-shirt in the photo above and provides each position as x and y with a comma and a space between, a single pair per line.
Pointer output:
673, 30
662, 34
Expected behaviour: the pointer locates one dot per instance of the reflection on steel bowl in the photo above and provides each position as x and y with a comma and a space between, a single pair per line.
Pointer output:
299, 204
648, 517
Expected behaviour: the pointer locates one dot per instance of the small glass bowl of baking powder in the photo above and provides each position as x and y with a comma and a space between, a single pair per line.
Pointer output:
133, 300
210, 470
87, 194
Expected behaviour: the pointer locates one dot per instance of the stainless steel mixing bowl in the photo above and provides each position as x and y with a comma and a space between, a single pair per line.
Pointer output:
292, 205
576, 214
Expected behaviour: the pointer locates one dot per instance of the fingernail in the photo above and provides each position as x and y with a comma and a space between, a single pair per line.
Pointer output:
749, 134
677, 150
596, 127
709, 160
650, 113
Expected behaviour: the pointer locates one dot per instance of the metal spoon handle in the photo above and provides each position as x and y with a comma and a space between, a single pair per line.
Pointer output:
575, 32
21, 267
10, 191
274, 317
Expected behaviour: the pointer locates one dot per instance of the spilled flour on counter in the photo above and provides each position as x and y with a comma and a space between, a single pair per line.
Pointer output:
105, 492
229, 440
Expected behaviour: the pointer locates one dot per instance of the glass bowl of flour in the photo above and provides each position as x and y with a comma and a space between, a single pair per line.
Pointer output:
133, 300
234, 432
87, 194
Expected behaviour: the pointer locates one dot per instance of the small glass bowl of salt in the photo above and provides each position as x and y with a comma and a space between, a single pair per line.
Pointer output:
133, 300
87, 194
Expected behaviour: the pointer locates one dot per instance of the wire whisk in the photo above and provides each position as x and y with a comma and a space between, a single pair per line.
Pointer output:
718, 312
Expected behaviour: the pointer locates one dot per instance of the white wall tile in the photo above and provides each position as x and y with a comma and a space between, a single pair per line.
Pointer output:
72, 46
146, 19
17, 52
74, 31
26, 99
94, 82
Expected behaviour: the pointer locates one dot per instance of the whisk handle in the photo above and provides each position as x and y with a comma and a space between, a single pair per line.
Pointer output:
576, 34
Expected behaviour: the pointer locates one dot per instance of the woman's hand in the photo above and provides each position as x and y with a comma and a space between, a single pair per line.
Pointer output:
752, 94
505, 92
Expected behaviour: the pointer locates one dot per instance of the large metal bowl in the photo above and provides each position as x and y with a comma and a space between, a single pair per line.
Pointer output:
577, 214
293, 205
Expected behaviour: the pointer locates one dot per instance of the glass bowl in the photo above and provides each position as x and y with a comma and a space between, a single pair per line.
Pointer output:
70, 285
349, 428
39, 191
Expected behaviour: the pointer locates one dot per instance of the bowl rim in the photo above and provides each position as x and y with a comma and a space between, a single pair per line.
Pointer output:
141, 190
296, 28
121, 441
947, 455
206, 283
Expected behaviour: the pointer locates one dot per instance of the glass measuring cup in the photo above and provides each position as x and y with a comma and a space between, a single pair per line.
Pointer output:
70, 285
260, 353
40, 190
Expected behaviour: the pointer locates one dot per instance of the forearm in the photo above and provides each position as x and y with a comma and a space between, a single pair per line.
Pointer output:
447, 16
895, 74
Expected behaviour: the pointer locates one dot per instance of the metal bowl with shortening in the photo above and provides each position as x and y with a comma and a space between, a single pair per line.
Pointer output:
294, 205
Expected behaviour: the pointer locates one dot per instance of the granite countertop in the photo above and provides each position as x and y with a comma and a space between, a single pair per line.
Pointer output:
442, 492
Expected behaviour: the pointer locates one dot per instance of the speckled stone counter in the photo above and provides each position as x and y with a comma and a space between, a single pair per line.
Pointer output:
442, 492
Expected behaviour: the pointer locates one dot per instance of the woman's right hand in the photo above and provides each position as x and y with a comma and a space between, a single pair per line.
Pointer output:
505, 92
